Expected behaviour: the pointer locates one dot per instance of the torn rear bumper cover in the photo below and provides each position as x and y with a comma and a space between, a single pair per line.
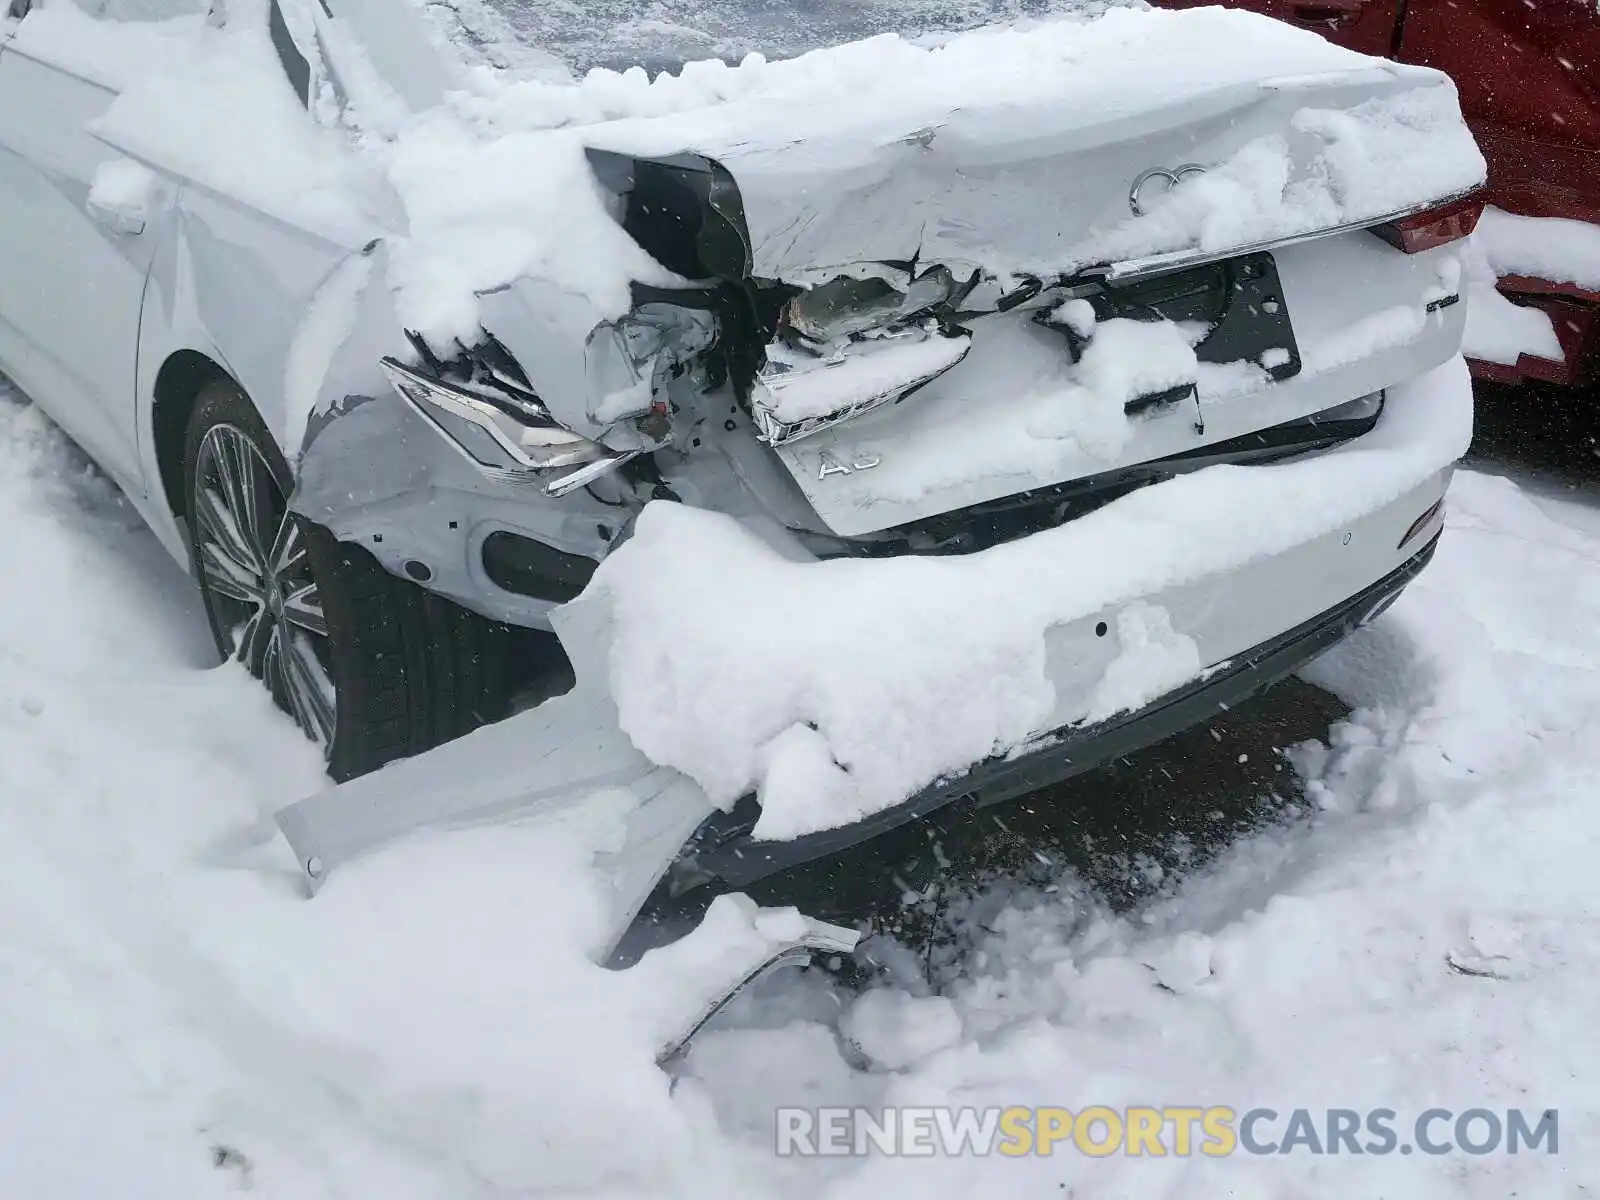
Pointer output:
572, 745
722, 847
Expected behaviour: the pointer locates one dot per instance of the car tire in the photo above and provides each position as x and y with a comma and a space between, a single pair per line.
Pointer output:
369, 665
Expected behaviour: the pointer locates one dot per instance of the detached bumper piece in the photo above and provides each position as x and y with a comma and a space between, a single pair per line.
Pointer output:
722, 849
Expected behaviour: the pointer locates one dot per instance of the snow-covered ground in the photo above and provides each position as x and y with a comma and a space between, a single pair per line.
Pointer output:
176, 1020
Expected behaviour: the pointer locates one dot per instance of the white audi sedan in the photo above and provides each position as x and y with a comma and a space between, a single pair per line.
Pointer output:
942, 414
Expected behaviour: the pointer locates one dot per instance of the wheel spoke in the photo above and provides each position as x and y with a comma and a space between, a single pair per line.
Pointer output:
288, 550
272, 668
252, 638
303, 609
225, 585
228, 576
239, 471
310, 690
218, 525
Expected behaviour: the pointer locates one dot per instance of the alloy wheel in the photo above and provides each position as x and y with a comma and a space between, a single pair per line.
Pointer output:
257, 581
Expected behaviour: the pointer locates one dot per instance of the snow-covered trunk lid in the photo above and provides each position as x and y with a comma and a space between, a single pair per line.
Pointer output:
1053, 183
1171, 187
1201, 236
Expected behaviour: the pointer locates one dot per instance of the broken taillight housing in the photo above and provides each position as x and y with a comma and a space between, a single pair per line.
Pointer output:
1432, 227
828, 314
504, 433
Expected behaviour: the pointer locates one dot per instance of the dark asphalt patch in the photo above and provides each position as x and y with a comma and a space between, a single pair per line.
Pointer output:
1549, 433
1125, 830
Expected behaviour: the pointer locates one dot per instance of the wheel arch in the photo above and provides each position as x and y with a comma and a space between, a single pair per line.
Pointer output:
182, 377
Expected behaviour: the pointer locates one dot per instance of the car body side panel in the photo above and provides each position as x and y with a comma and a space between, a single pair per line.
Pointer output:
1528, 71
251, 294
238, 287
72, 285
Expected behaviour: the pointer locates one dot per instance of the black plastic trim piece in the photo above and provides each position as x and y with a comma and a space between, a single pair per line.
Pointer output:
965, 530
295, 66
531, 568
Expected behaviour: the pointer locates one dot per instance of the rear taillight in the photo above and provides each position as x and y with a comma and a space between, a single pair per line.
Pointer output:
1432, 227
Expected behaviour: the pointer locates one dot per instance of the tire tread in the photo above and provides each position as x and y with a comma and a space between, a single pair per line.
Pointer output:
412, 670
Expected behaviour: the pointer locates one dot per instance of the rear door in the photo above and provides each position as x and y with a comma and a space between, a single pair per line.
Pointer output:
73, 272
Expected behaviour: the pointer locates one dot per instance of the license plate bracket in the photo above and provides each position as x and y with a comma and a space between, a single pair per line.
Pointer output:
1241, 300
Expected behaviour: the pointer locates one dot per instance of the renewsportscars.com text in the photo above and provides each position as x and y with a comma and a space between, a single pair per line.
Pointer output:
1181, 1130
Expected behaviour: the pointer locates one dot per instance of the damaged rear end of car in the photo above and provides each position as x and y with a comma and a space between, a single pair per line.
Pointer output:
953, 322
1005, 328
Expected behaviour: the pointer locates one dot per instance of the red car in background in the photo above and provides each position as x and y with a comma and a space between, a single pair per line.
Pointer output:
1529, 76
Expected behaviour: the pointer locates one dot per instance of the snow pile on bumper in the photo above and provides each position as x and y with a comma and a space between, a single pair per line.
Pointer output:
836, 689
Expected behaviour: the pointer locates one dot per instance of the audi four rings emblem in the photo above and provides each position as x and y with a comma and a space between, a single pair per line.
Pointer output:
1173, 178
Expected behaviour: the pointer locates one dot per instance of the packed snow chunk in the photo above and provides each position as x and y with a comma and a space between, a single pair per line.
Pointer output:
1499, 331
895, 1029
1123, 361
890, 705
1381, 156
835, 689
1076, 315
1126, 359
1183, 965
1151, 661
534, 208
1544, 247
124, 188
220, 111
801, 785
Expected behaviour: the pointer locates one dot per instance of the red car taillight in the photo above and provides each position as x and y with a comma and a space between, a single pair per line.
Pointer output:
1432, 227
